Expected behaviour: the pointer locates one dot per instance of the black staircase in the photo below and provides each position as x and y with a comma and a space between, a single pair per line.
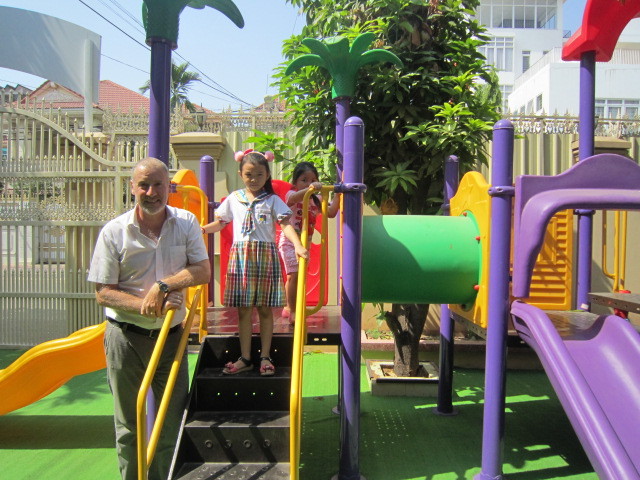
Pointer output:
236, 426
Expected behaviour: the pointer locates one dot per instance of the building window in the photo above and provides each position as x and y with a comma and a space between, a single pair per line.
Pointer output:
499, 53
505, 91
617, 108
529, 107
539, 103
518, 14
526, 60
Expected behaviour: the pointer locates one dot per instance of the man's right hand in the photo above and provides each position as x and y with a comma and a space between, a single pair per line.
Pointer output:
173, 301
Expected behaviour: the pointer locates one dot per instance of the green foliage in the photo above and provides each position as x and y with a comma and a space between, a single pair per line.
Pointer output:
269, 141
322, 159
442, 101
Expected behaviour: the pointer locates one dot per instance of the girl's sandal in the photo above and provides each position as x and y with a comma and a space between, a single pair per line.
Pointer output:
232, 368
266, 367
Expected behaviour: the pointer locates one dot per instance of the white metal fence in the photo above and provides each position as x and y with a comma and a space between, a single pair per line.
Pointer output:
59, 186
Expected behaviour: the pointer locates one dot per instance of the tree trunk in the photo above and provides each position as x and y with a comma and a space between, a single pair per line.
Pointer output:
406, 322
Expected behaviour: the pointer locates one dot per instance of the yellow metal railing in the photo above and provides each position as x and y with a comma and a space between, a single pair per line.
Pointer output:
300, 329
619, 249
147, 449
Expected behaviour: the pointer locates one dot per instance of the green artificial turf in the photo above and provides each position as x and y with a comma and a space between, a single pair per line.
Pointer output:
69, 434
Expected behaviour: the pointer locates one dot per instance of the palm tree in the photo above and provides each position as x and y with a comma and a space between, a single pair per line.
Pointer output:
343, 64
161, 20
341, 61
181, 82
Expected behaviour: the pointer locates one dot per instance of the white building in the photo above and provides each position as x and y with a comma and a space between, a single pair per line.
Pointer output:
526, 47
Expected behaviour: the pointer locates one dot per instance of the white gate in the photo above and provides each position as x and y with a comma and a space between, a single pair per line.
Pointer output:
58, 187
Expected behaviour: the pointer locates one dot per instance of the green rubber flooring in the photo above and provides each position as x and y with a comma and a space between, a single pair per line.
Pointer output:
69, 434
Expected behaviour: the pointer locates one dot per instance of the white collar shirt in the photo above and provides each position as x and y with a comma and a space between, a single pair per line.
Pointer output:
125, 257
266, 213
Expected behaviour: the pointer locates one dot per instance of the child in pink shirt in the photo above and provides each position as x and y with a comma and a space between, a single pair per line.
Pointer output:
305, 176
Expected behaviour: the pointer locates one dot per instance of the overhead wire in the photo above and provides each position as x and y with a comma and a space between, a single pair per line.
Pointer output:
127, 18
219, 87
113, 24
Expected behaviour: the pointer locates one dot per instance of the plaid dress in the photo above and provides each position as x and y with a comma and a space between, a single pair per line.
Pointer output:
254, 275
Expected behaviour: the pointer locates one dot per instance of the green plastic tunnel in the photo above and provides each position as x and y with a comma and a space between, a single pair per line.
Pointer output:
420, 259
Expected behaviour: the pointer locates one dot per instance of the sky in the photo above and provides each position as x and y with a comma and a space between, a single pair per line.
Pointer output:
233, 63
234, 60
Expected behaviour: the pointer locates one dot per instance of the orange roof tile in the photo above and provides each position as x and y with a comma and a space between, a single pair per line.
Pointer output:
111, 96
118, 98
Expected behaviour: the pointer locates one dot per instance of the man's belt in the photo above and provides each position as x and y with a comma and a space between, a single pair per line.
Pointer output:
130, 327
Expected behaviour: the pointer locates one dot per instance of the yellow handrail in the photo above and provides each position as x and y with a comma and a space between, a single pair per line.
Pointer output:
299, 336
146, 453
324, 245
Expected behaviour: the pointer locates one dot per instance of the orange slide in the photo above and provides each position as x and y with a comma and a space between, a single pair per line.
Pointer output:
48, 366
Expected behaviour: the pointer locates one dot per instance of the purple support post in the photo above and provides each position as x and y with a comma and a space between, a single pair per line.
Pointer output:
207, 185
445, 383
342, 113
159, 99
586, 149
498, 305
351, 316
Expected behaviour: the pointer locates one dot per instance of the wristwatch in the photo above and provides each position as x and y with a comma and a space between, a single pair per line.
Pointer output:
164, 288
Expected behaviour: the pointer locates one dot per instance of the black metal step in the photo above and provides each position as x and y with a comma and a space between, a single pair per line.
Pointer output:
225, 471
236, 426
217, 351
214, 391
238, 437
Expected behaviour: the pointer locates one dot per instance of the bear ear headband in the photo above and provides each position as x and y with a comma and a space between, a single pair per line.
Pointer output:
268, 155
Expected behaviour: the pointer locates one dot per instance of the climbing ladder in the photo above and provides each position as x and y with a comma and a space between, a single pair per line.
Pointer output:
236, 426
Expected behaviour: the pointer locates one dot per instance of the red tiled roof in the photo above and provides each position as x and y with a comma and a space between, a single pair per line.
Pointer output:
118, 98
111, 96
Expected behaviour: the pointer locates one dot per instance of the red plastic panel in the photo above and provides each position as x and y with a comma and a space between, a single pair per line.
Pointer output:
602, 23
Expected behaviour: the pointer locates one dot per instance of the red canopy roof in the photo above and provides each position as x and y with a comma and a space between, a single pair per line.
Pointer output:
602, 23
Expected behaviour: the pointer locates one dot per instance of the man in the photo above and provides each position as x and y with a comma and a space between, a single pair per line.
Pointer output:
143, 262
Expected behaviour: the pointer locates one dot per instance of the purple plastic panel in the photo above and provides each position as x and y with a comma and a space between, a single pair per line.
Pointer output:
596, 376
605, 181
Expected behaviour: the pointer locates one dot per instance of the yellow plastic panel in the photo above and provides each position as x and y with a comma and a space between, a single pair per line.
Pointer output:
551, 286
473, 197
552, 275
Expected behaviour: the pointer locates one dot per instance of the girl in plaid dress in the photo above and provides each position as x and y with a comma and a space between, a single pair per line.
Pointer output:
254, 277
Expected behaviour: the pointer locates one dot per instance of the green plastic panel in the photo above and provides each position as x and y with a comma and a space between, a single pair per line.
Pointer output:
420, 259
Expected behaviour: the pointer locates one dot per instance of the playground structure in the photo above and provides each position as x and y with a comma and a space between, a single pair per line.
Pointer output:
581, 366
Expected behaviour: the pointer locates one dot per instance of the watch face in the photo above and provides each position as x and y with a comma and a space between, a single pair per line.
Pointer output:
163, 286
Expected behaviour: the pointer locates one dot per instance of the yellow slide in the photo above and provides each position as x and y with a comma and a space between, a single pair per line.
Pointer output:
47, 366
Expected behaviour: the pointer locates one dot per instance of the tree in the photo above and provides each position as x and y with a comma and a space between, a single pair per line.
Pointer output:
414, 116
181, 83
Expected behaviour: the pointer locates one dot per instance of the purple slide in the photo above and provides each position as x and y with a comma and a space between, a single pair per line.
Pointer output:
593, 364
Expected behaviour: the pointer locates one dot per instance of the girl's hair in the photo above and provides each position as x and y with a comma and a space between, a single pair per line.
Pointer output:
301, 168
257, 159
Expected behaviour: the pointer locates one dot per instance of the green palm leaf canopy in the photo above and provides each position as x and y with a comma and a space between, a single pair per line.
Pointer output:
161, 18
341, 61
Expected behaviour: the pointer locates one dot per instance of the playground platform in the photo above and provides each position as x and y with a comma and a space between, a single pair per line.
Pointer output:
323, 327
69, 434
